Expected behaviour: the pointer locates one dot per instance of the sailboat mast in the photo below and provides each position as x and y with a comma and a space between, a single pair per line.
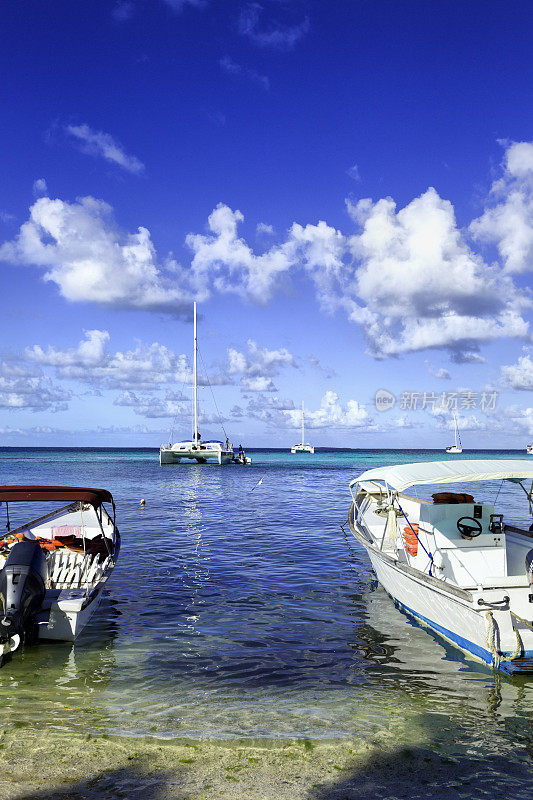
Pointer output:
195, 383
455, 427
303, 435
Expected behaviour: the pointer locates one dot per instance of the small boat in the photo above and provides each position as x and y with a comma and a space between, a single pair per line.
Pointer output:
529, 449
457, 447
455, 564
53, 568
302, 447
194, 450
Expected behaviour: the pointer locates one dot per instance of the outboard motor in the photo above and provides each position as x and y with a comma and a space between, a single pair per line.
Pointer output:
22, 587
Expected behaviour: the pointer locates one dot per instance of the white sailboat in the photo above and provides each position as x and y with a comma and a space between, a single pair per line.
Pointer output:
302, 447
194, 450
457, 447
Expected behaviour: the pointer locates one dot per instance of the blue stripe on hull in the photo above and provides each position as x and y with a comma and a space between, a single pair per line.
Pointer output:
470, 647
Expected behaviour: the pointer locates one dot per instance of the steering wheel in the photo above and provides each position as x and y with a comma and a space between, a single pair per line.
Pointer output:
467, 530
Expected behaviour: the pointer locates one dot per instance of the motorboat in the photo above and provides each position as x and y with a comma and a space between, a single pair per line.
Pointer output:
457, 447
53, 568
529, 449
194, 450
303, 447
452, 562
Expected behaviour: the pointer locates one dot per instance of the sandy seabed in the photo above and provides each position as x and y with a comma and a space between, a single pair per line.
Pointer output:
49, 765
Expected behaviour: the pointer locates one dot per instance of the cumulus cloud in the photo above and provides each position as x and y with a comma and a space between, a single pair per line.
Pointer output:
520, 375
508, 222
230, 67
331, 413
102, 145
258, 384
22, 388
257, 365
142, 367
89, 258
263, 228
275, 35
231, 263
418, 285
154, 407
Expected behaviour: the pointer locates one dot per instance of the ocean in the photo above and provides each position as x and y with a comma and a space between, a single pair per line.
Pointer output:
242, 615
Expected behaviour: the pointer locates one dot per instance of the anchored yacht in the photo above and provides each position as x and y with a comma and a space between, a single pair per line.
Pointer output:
453, 562
457, 447
302, 447
195, 450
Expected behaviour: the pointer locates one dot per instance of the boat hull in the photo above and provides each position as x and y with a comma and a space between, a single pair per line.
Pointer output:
168, 456
450, 612
68, 618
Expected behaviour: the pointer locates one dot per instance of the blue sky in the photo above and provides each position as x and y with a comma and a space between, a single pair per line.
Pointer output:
346, 188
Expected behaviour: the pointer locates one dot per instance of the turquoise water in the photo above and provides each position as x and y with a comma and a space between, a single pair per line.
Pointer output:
235, 613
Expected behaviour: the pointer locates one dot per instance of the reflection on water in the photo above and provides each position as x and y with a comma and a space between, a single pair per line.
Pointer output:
239, 613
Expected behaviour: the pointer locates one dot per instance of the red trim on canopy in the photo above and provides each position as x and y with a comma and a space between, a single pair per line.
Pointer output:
26, 494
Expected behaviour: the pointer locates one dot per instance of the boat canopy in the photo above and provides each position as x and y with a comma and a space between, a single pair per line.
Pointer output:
69, 494
402, 476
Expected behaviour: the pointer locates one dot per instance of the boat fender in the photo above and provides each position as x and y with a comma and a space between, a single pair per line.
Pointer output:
438, 563
529, 566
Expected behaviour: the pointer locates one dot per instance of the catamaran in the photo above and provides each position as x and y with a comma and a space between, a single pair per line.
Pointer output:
453, 563
302, 447
457, 447
53, 569
194, 450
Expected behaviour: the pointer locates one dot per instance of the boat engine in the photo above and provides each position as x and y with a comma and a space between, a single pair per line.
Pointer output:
22, 587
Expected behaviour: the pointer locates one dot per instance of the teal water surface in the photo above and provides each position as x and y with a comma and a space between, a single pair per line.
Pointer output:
235, 613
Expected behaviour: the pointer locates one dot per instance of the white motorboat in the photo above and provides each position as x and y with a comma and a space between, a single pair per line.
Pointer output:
194, 450
303, 447
455, 564
457, 447
53, 568
529, 449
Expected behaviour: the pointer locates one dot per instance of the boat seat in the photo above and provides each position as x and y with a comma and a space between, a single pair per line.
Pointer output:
67, 568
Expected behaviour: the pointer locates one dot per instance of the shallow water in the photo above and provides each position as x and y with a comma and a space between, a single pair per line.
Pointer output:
239, 613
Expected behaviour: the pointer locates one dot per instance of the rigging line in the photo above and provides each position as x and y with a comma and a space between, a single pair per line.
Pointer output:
212, 393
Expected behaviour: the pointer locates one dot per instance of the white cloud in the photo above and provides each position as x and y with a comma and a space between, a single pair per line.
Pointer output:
6, 216
258, 384
520, 375
40, 187
331, 414
264, 228
91, 260
508, 222
418, 284
230, 67
225, 259
258, 361
21, 388
142, 367
277, 35
102, 145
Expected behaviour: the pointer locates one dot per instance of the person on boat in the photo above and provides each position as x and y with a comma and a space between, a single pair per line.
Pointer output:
227, 443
